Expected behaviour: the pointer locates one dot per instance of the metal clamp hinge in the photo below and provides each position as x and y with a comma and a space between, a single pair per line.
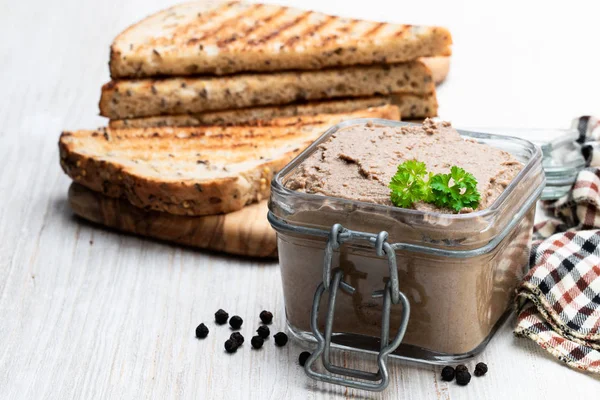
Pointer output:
374, 381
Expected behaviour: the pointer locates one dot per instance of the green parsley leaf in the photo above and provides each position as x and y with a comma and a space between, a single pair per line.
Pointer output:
440, 190
408, 185
463, 192
412, 183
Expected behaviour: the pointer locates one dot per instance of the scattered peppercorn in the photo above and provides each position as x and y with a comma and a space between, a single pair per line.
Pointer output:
448, 374
461, 367
231, 346
201, 331
481, 369
281, 339
221, 317
303, 357
263, 331
266, 316
257, 342
236, 322
237, 337
463, 377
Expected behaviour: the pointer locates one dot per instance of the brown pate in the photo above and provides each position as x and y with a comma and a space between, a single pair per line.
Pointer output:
358, 162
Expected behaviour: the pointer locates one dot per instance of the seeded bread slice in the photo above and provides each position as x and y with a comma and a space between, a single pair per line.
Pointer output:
222, 38
411, 106
171, 96
193, 171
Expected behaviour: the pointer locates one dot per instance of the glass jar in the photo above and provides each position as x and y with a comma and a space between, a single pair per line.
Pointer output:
562, 157
439, 284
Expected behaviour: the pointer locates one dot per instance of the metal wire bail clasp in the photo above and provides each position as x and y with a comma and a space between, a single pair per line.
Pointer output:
391, 295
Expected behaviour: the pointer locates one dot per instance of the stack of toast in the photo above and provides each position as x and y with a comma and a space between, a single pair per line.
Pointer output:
245, 61
209, 100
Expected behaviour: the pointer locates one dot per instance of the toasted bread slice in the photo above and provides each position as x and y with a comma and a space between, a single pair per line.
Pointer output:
253, 115
410, 106
193, 171
152, 97
223, 38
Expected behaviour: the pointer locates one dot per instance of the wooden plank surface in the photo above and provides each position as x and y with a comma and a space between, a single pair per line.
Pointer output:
91, 314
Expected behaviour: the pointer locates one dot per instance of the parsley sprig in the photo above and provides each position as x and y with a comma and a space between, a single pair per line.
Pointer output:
412, 183
409, 185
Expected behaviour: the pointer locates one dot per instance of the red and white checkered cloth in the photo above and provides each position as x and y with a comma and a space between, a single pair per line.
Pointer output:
559, 299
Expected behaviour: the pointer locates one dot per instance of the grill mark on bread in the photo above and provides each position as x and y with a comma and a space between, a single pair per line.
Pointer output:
348, 26
336, 34
229, 32
262, 26
310, 31
177, 33
280, 29
373, 31
402, 31
229, 137
229, 22
202, 18
327, 39
260, 23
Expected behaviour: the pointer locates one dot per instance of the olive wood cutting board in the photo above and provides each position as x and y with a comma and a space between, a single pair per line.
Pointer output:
245, 232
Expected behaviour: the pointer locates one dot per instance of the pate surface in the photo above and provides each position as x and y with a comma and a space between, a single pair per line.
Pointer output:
358, 162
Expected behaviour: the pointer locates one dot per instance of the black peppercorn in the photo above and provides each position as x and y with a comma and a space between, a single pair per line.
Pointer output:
237, 337
481, 369
201, 331
266, 316
280, 339
463, 377
263, 331
303, 357
257, 342
461, 367
231, 346
221, 317
448, 374
236, 322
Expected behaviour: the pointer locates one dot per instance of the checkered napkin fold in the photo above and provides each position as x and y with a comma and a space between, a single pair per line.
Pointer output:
559, 298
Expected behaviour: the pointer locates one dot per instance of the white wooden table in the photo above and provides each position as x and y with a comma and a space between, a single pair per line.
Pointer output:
92, 314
